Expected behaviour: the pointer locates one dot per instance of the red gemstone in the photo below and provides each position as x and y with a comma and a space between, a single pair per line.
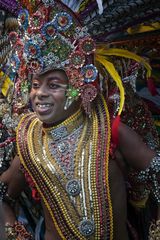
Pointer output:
63, 21
89, 73
50, 31
22, 18
32, 50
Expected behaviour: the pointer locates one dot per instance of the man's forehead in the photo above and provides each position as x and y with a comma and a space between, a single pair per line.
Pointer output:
55, 72
57, 75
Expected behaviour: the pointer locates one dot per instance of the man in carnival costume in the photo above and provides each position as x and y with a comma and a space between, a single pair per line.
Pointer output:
74, 153
7, 132
9, 112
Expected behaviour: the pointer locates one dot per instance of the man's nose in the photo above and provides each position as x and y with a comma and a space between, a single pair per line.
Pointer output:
42, 91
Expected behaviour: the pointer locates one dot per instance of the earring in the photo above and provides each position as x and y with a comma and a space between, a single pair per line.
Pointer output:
72, 94
88, 94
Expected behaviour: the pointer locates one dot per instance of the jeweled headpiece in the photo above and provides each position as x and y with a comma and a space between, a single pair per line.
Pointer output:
51, 37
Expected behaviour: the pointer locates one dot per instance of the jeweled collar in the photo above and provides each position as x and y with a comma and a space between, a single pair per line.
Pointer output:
65, 128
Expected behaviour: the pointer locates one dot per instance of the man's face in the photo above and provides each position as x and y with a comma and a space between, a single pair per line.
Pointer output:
48, 96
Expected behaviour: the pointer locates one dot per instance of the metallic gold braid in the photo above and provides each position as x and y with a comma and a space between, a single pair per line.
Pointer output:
93, 173
82, 143
43, 172
21, 155
107, 168
42, 169
37, 185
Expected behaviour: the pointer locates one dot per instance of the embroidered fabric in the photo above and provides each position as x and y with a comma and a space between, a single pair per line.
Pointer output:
142, 183
4, 196
152, 176
3, 190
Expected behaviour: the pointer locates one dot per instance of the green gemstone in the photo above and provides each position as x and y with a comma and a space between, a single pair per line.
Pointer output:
74, 93
88, 47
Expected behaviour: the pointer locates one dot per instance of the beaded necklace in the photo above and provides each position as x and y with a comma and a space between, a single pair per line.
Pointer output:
69, 166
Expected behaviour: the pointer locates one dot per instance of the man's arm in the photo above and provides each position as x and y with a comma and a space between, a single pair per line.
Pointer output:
136, 153
144, 165
12, 183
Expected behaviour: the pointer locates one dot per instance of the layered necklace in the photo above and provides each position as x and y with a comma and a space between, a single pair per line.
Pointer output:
69, 165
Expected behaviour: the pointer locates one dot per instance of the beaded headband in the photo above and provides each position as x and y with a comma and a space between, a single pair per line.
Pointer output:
51, 37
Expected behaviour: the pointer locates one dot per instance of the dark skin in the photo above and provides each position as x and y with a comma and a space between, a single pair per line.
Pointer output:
48, 100
48, 97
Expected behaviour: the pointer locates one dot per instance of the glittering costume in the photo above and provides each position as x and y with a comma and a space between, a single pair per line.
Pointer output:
69, 166
8, 23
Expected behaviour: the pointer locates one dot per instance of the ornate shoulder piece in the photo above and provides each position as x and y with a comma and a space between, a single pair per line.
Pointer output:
152, 176
4, 196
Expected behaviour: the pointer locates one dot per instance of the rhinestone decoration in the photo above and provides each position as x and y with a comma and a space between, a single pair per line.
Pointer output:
38, 40
86, 228
19, 46
60, 48
90, 73
63, 147
3, 190
15, 62
72, 92
48, 3
23, 19
63, 150
38, 19
51, 59
77, 59
81, 32
151, 174
59, 133
73, 187
24, 87
13, 37
89, 92
35, 65
2, 155
32, 50
62, 21
76, 79
48, 30
87, 46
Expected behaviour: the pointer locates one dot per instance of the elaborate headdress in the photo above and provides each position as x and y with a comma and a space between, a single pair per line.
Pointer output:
51, 36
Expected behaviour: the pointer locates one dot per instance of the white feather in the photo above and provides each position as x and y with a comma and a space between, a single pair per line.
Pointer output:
100, 6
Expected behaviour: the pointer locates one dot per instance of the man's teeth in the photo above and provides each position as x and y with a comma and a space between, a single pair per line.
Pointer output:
43, 105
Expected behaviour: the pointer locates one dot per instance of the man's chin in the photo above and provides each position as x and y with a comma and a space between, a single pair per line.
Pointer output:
45, 119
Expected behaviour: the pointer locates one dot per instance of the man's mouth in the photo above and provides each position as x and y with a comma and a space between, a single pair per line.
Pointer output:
43, 107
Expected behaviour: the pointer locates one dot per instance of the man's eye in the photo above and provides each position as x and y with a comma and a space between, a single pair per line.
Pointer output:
54, 86
35, 85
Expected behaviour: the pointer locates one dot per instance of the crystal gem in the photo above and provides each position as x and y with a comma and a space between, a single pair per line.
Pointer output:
73, 187
86, 227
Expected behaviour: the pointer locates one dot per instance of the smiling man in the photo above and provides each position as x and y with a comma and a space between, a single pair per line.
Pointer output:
67, 155
48, 96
